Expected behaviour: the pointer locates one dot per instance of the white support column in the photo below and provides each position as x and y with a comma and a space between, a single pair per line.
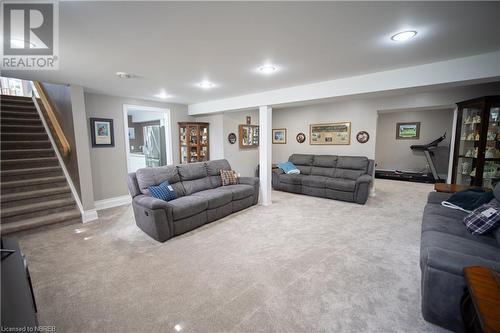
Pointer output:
265, 153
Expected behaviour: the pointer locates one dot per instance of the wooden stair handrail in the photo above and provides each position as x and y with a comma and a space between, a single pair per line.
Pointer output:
52, 122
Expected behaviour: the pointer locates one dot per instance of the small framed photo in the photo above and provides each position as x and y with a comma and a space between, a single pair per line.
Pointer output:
408, 131
279, 136
102, 132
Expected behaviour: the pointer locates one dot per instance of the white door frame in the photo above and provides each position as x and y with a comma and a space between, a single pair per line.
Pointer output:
168, 130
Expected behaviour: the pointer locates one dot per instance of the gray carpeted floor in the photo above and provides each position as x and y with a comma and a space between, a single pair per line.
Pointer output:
303, 264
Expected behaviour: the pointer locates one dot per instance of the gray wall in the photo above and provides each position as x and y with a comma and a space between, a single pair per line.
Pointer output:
109, 165
244, 161
392, 154
363, 114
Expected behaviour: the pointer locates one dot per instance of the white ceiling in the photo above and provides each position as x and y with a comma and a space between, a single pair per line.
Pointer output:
173, 45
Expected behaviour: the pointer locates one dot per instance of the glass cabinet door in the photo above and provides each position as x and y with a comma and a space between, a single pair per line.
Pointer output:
470, 137
491, 170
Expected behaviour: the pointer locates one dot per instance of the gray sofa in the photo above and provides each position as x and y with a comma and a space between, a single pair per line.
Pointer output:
345, 178
201, 198
446, 248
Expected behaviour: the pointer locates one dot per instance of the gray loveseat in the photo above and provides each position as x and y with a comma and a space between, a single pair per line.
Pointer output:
201, 198
345, 178
446, 248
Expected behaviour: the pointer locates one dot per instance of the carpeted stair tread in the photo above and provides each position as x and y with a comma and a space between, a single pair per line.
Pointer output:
34, 194
35, 207
24, 136
22, 128
19, 144
15, 154
31, 182
40, 221
21, 121
24, 163
17, 114
29, 171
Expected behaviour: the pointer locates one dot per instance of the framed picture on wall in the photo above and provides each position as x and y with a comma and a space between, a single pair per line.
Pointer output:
408, 131
249, 136
330, 134
279, 136
102, 132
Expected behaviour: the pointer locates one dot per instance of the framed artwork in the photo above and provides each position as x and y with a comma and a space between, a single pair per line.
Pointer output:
102, 132
301, 138
249, 120
363, 137
408, 131
131, 133
231, 138
330, 134
279, 136
249, 136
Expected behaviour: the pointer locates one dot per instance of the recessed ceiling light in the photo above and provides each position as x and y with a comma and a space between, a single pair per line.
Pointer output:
404, 35
178, 327
124, 75
206, 85
163, 95
268, 69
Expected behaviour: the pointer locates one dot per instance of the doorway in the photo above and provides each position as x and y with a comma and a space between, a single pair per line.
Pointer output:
148, 137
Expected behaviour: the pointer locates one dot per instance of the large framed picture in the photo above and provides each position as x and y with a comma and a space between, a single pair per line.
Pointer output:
102, 132
330, 134
279, 136
408, 131
249, 136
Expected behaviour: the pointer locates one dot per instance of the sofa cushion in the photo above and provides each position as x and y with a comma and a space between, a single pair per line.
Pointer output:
188, 206
213, 171
326, 161
147, 177
496, 234
348, 174
196, 185
301, 159
192, 171
458, 244
290, 179
340, 184
304, 169
216, 197
240, 191
322, 171
352, 162
314, 181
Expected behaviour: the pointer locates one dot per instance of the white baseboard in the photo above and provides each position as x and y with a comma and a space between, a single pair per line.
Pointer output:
112, 202
89, 215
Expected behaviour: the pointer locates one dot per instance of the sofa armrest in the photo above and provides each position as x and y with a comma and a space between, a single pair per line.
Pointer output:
253, 181
277, 171
438, 197
154, 217
454, 262
364, 179
248, 180
151, 203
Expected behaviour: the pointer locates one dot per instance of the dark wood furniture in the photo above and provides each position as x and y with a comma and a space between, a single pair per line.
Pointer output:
193, 142
18, 301
481, 300
452, 188
476, 158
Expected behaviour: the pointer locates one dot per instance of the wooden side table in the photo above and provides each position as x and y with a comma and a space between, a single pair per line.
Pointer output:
480, 306
452, 188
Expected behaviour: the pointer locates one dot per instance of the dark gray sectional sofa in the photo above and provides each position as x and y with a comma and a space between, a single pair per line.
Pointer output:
201, 198
345, 178
446, 248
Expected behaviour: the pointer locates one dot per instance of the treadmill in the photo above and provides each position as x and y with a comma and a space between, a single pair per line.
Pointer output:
428, 150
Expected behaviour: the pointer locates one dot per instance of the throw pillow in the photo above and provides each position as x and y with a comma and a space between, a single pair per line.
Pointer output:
228, 177
483, 219
468, 200
288, 168
164, 191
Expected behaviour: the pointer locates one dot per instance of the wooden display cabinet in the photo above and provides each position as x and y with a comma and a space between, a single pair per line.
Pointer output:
476, 157
193, 142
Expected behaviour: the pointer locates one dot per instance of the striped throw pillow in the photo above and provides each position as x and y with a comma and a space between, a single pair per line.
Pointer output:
228, 177
164, 191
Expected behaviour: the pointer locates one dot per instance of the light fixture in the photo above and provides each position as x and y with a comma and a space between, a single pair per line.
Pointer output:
20, 44
268, 69
163, 95
206, 85
124, 75
404, 35
178, 327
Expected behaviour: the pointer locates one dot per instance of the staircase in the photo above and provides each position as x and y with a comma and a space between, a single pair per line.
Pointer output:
34, 191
